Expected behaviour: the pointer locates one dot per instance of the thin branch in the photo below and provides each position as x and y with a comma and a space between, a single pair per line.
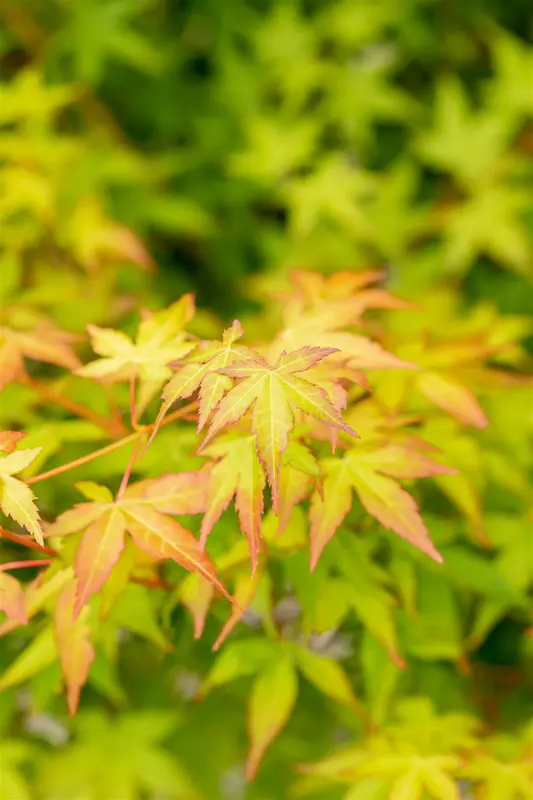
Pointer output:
42, 562
113, 427
84, 459
127, 474
78, 462
25, 541
182, 412
133, 408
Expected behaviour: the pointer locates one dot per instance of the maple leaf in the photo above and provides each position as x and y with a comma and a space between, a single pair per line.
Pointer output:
407, 761
143, 512
323, 306
345, 293
200, 372
274, 392
451, 367
237, 473
160, 340
139, 765
43, 342
74, 647
370, 474
497, 779
16, 498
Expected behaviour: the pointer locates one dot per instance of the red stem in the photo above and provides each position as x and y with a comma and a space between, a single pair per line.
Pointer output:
41, 562
127, 474
25, 541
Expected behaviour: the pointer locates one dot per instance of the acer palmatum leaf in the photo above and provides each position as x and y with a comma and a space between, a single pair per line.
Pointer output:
275, 392
368, 475
160, 340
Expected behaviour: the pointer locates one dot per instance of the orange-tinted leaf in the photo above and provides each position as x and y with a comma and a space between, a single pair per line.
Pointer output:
162, 537
76, 519
182, 493
97, 554
329, 507
12, 600
394, 508
452, 397
74, 647
11, 361
271, 703
196, 593
238, 473
344, 295
9, 440
400, 461
381, 497
295, 486
47, 343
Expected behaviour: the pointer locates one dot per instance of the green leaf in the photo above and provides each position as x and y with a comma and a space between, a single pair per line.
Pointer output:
272, 700
38, 655
328, 677
238, 659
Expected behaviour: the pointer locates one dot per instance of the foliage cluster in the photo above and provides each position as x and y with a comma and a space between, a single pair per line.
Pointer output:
236, 570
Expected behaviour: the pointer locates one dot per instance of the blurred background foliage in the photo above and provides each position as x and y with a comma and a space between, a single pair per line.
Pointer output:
151, 147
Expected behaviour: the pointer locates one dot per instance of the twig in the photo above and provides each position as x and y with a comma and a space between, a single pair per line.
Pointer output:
84, 459
129, 468
43, 562
133, 408
113, 427
78, 462
25, 541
